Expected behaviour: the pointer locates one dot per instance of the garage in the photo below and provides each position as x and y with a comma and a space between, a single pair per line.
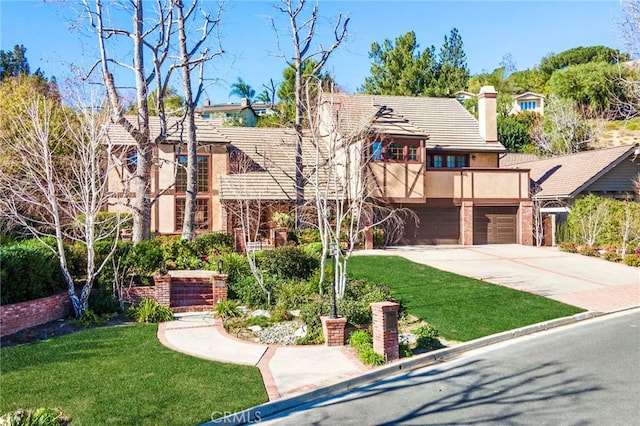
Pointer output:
495, 225
438, 225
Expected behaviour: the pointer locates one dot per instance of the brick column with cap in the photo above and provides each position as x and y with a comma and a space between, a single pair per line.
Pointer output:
385, 329
220, 289
333, 329
163, 290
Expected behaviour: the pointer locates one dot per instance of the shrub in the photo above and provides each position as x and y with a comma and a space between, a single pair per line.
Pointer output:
310, 314
612, 256
88, 319
568, 247
236, 266
363, 344
588, 251
308, 235
359, 294
313, 249
145, 259
248, 292
292, 294
212, 243
632, 260
227, 309
102, 301
38, 417
288, 262
404, 350
427, 338
29, 271
149, 311
378, 237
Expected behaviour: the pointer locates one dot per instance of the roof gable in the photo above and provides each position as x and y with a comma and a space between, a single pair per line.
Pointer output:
566, 176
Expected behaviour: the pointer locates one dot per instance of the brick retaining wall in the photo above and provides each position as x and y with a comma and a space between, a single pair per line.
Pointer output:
20, 316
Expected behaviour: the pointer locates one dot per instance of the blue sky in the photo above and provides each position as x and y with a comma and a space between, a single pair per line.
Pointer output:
527, 30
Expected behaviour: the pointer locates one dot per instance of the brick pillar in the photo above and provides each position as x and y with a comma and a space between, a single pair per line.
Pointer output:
368, 238
525, 213
219, 283
279, 237
466, 223
385, 329
163, 290
333, 330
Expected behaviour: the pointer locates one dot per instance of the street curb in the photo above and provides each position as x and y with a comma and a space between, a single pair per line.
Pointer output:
260, 412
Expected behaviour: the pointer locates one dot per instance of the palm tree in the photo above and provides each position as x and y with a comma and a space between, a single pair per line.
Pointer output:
242, 90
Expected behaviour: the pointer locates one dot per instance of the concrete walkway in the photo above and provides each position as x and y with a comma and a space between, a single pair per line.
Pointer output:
590, 283
286, 370
587, 282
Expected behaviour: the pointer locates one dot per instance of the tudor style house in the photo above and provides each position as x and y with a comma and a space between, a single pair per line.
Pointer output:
426, 154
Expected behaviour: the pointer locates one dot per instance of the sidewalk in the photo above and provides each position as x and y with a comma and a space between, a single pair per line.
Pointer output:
286, 370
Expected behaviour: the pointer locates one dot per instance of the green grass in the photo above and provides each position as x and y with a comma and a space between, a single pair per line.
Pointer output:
461, 308
123, 376
633, 124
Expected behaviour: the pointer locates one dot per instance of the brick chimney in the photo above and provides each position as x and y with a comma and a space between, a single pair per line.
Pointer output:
487, 114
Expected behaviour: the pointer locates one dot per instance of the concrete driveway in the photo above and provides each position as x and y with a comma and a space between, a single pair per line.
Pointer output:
587, 282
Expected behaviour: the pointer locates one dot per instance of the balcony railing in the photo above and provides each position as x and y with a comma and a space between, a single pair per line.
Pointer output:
409, 184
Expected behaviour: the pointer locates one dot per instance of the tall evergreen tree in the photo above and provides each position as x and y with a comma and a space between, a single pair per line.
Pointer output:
400, 68
14, 63
452, 70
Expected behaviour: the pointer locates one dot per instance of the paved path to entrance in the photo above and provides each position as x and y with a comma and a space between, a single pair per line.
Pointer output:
587, 282
286, 370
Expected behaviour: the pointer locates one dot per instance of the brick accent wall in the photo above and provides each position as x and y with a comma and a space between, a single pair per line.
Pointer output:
163, 290
20, 316
333, 330
278, 236
525, 214
466, 223
385, 329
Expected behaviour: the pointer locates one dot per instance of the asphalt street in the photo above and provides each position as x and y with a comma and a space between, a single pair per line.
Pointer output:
588, 373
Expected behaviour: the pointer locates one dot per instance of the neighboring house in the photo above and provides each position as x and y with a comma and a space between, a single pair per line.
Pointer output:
528, 101
463, 96
427, 154
513, 158
244, 113
558, 181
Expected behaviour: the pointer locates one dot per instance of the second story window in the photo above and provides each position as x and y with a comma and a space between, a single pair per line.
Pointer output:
528, 105
395, 151
447, 160
202, 173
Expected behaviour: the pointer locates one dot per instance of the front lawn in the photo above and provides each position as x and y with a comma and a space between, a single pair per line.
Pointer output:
123, 376
461, 308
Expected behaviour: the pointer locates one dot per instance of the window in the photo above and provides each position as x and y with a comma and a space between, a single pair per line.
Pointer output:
202, 173
131, 160
376, 150
202, 213
528, 105
395, 151
448, 161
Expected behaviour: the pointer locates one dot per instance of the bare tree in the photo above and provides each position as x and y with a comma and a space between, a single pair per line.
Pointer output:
192, 58
140, 38
63, 172
339, 180
302, 32
564, 130
247, 212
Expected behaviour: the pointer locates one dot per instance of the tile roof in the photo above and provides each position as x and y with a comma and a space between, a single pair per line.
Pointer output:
443, 122
567, 175
206, 132
512, 158
273, 149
